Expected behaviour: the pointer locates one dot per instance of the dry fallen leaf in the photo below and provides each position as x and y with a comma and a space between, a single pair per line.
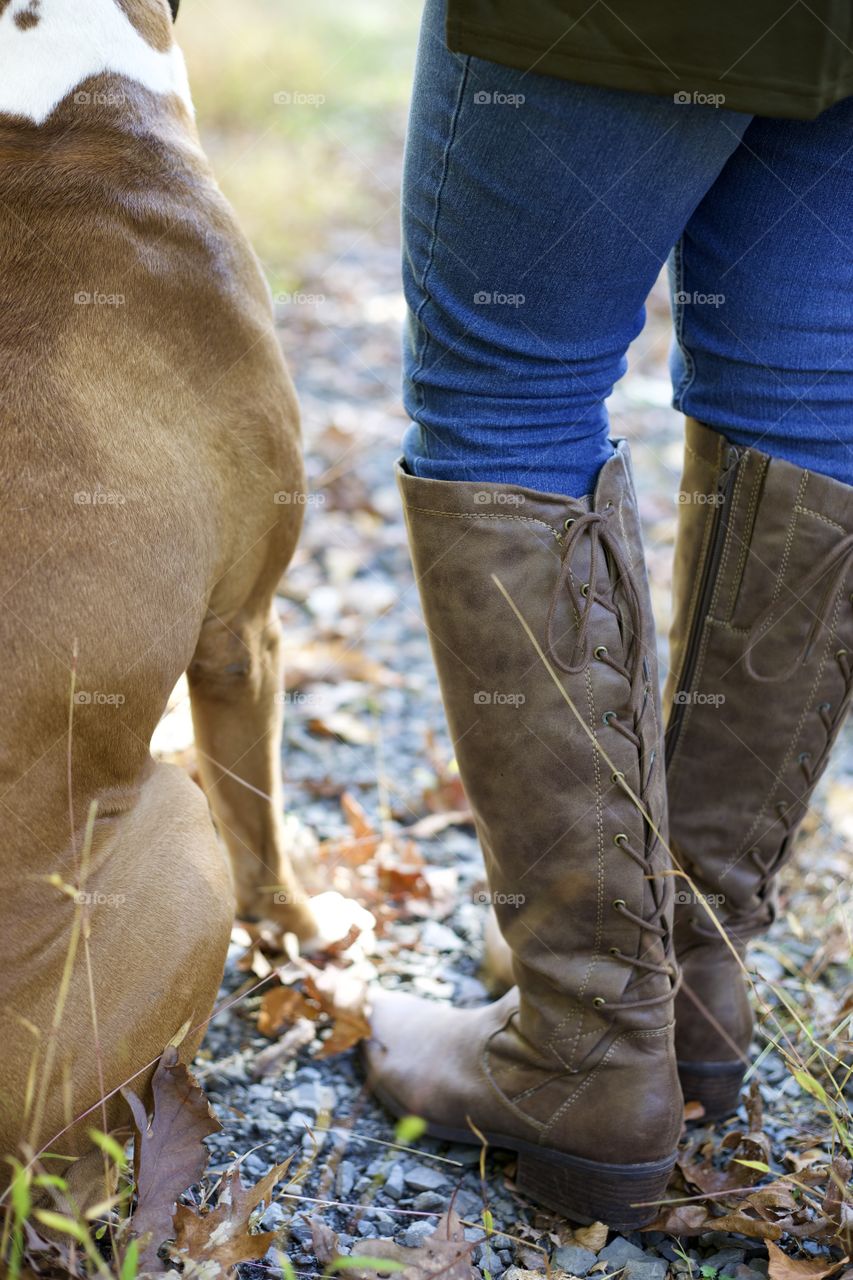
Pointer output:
434, 823
331, 997
343, 725
169, 1152
445, 1253
222, 1237
330, 661
783, 1267
341, 998
680, 1220
838, 1188
361, 846
271, 1060
280, 1007
324, 1242
593, 1237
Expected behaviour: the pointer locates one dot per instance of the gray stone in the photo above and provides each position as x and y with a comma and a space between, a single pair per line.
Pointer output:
312, 1096
302, 1233
394, 1185
345, 1179
574, 1259
725, 1260
426, 1201
487, 1260
415, 1235
261, 1092
645, 1269
618, 1252
422, 1178
273, 1217
299, 1121
366, 1228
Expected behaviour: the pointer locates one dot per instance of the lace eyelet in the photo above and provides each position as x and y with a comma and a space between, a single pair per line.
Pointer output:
614, 951
585, 590
803, 757
598, 1001
617, 776
618, 903
567, 524
600, 651
620, 839
841, 653
608, 716
825, 706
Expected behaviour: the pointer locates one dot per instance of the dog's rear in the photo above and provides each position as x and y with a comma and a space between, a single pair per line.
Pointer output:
149, 447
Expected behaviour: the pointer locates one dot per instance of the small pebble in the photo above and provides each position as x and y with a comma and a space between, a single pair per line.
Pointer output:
618, 1252
394, 1184
415, 1234
574, 1259
423, 1178
425, 1201
647, 1268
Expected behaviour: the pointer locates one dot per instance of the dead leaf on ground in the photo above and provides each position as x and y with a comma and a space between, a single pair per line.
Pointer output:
434, 823
342, 998
593, 1237
271, 1060
332, 997
330, 661
169, 1153
445, 1253
447, 793
783, 1267
281, 1007
342, 725
680, 1220
222, 1237
324, 1242
361, 846
838, 1188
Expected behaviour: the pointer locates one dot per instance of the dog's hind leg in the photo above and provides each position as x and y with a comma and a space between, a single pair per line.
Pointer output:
235, 687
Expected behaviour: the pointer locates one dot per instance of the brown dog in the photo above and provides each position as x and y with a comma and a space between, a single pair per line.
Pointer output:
153, 495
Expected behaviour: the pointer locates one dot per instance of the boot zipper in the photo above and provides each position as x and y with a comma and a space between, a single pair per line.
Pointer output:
725, 485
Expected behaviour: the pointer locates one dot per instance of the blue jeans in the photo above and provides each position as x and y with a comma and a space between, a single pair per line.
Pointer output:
537, 216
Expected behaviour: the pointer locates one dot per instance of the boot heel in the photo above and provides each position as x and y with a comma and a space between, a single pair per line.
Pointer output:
623, 1196
716, 1085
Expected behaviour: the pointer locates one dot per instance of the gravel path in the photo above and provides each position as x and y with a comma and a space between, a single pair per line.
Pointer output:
351, 587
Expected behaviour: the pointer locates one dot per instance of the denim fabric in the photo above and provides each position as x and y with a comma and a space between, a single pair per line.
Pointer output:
537, 216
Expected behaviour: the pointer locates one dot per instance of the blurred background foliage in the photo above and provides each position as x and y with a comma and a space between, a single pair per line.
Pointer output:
302, 110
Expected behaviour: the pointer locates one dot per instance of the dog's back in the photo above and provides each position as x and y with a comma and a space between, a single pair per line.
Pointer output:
146, 424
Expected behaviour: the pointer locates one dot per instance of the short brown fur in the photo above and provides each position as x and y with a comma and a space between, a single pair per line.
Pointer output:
148, 423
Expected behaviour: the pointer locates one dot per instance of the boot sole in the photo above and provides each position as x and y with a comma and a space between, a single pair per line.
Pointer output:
624, 1196
716, 1085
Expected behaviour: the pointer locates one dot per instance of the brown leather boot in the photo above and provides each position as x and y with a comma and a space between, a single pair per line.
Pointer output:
761, 668
574, 1068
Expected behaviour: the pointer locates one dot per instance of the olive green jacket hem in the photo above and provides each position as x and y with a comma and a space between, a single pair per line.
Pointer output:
823, 76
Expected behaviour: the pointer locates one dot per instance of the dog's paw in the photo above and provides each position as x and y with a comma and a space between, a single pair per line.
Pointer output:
336, 918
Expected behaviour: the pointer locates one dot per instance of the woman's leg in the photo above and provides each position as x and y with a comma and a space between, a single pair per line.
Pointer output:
537, 215
762, 640
768, 359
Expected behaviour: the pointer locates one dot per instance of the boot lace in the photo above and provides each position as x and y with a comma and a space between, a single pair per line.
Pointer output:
836, 564
596, 528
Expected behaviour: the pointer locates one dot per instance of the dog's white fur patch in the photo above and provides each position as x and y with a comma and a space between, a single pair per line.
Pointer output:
72, 40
